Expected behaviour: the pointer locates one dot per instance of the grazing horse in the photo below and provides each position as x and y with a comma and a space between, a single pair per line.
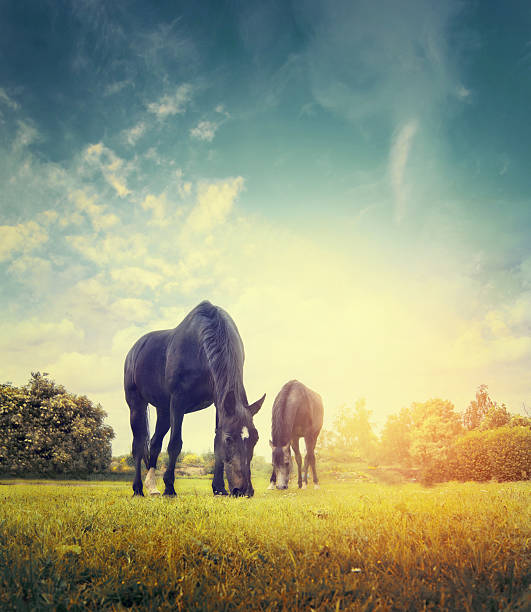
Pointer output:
183, 370
297, 412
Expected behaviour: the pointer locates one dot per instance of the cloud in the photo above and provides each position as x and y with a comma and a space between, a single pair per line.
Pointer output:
117, 86
399, 154
132, 135
132, 309
85, 373
158, 206
100, 220
204, 130
136, 280
361, 65
214, 203
29, 344
111, 249
7, 100
112, 167
26, 134
174, 104
24, 237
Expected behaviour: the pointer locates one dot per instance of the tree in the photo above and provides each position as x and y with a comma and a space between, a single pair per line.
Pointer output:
484, 413
352, 436
434, 426
420, 435
46, 430
395, 440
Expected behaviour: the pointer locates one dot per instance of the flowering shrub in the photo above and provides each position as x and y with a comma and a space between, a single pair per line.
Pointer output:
45, 430
501, 454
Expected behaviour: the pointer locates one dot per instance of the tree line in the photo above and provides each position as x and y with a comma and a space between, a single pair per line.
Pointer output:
45, 430
483, 442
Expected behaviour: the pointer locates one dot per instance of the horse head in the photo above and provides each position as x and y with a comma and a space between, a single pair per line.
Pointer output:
235, 440
281, 464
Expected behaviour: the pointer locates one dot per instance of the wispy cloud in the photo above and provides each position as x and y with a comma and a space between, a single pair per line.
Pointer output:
26, 134
399, 154
7, 100
204, 130
112, 167
174, 104
214, 203
132, 135
24, 237
100, 219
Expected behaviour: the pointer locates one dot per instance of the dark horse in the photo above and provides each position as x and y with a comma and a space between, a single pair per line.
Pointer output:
183, 370
297, 412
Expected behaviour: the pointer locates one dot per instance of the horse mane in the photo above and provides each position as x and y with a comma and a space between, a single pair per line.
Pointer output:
223, 352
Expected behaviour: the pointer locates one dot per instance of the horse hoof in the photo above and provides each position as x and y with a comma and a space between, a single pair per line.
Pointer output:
154, 493
169, 494
137, 494
271, 485
316, 486
304, 485
222, 492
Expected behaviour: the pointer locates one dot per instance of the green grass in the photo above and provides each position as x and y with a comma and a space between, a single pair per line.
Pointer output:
355, 546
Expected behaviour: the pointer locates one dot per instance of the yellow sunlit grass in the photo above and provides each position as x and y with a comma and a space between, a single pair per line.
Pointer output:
345, 546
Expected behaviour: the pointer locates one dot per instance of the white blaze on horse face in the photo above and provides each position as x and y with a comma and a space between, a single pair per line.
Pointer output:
245, 433
151, 482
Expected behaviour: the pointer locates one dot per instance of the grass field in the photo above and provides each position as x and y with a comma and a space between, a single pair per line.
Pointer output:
354, 546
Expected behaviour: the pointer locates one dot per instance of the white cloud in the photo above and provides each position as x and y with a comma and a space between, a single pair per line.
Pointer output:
399, 154
28, 345
111, 249
7, 100
132, 309
100, 219
204, 130
116, 87
26, 134
214, 203
86, 373
463, 92
158, 206
133, 134
24, 237
174, 104
112, 167
135, 280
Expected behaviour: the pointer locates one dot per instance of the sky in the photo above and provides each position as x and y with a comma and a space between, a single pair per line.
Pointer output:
349, 180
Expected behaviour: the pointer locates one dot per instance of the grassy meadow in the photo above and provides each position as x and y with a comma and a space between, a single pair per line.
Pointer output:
345, 546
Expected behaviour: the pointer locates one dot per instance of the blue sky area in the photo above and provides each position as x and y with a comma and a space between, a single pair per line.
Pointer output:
349, 180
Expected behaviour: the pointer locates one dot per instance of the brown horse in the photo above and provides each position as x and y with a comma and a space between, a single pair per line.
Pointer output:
297, 413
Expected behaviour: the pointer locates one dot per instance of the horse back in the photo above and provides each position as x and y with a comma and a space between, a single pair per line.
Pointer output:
297, 410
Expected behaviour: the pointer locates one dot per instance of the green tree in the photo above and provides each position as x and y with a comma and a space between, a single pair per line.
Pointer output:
46, 430
434, 426
352, 436
395, 440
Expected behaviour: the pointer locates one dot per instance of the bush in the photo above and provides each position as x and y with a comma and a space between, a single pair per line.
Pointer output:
45, 430
501, 454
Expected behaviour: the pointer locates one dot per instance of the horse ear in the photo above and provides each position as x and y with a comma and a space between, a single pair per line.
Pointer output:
254, 408
271, 444
229, 403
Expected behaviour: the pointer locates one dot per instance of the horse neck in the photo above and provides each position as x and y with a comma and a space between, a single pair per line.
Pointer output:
283, 419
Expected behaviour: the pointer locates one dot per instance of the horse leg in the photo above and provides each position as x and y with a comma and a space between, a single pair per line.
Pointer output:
310, 455
272, 480
298, 459
174, 446
218, 482
161, 429
140, 428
